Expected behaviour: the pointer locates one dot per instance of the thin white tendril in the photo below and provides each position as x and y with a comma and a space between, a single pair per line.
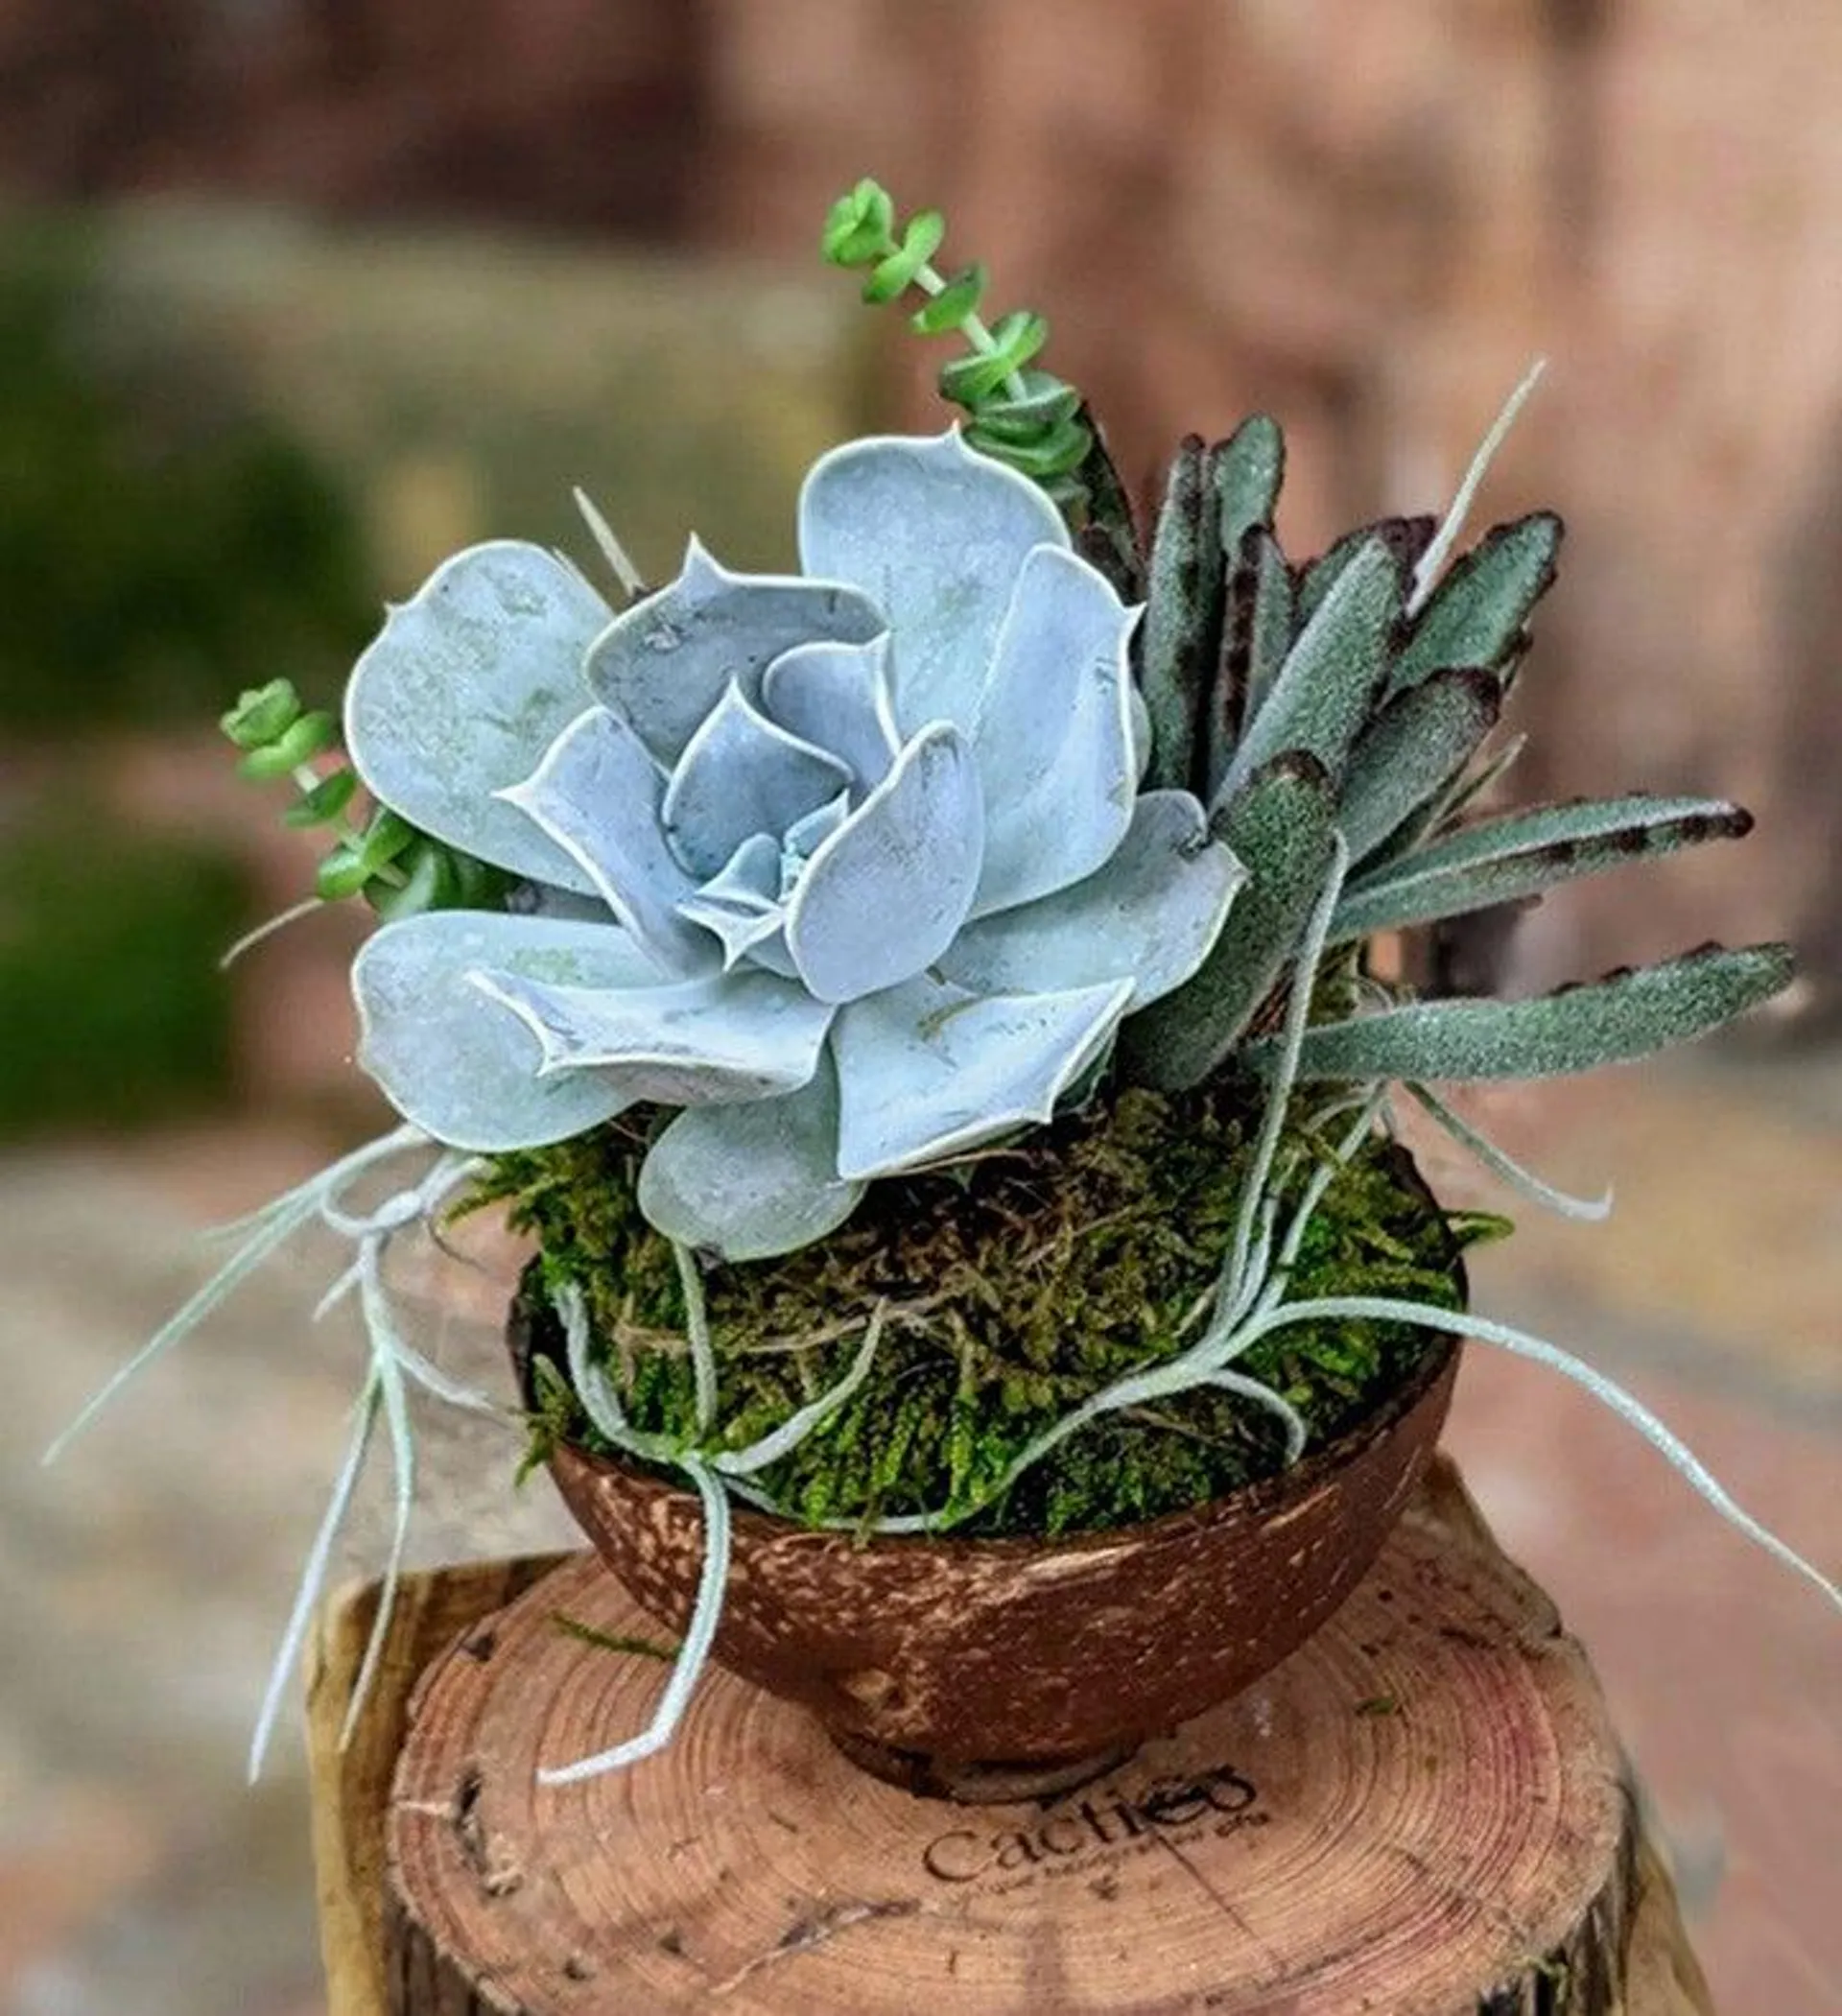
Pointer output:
293, 915
1463, 1323
1298, 1013
1523, 1181
402, 1440
697, 1328
312, 1575
693, 1656
398, 1140
395, 1364
631, 581
1434, 558
715, 1477
799, 1425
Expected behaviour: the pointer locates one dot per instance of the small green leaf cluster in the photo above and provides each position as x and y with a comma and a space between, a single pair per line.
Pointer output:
1018, 414
396, 868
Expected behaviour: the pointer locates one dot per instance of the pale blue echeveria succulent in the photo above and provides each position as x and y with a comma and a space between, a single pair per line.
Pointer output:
852, 866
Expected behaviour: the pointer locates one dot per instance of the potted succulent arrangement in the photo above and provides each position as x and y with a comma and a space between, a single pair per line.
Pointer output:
923, 1009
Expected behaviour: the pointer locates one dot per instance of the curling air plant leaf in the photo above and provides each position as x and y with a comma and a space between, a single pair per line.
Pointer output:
852, 866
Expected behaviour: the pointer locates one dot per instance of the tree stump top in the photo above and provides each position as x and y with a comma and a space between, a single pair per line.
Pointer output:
1423, 1812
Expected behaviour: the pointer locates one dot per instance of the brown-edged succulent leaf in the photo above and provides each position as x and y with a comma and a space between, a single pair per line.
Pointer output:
1412, 749
1610, 1021
1406, 538
1331, 678
1182, 616
1109, 539
1248, 468
1282, 829
1503, 860
1256, 634
1476, 613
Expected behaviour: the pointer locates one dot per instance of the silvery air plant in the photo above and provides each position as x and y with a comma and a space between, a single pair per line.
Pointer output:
988, 821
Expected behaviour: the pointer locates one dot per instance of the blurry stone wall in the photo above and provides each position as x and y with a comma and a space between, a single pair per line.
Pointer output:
576, 112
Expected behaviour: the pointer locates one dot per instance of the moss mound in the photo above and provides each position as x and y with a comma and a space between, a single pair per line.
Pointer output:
1014, 1286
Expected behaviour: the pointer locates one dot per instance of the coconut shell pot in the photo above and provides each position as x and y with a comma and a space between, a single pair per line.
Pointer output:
983, 1669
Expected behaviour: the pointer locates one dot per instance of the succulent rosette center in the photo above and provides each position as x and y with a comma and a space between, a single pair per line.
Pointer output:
852, 866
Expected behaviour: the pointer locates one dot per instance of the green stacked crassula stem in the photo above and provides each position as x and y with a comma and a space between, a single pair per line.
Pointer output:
1017, 415
397, 869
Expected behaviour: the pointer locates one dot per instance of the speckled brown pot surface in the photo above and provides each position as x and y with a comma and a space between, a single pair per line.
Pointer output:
927, 1656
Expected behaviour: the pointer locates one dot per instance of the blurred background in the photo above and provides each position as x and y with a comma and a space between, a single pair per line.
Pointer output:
296, 296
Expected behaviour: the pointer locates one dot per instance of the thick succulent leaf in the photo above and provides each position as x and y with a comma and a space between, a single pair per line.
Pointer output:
749, 1181
1054, 737
1477, 614
1331, 676
741, 903
463, 691
1183, 616
1406, 538
841, 697
1624, 1016
731, 1036
742, 775
456, 1064
663, 664
1282, 830
1412, 749
1151, 915
927, 1071
805, 837
1249, 467
937, 533
1503, 860
884, 896
1471, 785
1256, 632
597, 796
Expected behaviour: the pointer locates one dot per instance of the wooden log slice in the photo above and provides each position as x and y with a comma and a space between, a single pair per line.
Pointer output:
1423, 1812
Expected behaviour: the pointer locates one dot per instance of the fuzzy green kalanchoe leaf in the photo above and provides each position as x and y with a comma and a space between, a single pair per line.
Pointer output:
1258, 629
1612, 1021
1412, 749
863, 848
1477, 614
1249, 467
1182, 613
1331, 676
1406, 538
1283, 829
1520, 855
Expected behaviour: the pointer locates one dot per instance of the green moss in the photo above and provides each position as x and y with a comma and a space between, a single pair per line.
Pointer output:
1014, 1286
